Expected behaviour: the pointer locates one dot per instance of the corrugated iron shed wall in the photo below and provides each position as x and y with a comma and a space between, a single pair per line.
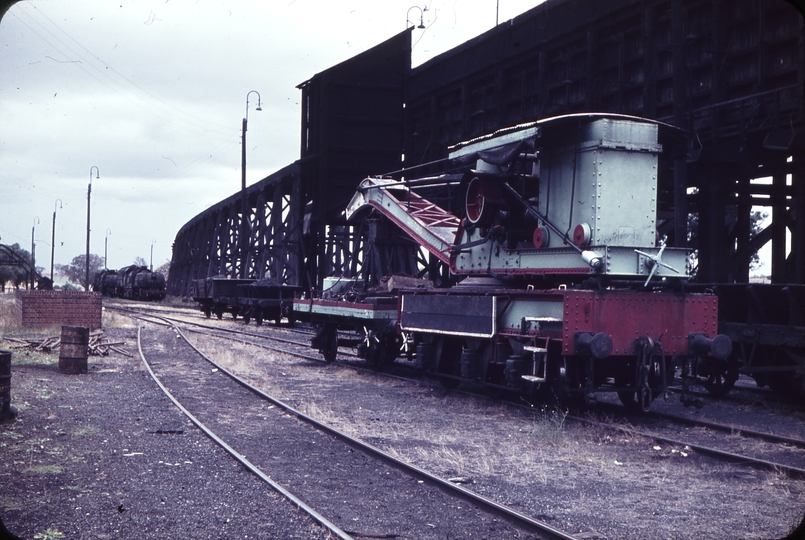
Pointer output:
352, 127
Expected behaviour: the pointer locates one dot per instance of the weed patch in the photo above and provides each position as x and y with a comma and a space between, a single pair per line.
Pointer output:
44, 469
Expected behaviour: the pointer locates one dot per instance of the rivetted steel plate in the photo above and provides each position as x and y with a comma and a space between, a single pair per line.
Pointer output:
667, 318
460, 315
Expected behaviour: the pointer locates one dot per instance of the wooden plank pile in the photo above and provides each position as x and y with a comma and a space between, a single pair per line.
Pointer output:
98, 344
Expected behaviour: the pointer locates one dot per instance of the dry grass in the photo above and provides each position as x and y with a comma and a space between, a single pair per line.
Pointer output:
24, 357
114, 319
10, 313
456, 452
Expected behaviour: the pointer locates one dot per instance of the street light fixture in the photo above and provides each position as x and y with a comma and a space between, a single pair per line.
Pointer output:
89, 192
53, 238
421, 17
243, 212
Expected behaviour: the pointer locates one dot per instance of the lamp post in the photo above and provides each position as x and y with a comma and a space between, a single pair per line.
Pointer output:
243, 146
33, 251
105, 245
53, 238
243, 210
89, 192
153, 241
421, 17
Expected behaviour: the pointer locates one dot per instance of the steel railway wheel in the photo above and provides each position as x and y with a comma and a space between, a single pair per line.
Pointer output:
647, 375
326, 341
721, 375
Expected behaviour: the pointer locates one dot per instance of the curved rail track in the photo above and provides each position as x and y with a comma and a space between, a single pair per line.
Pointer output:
451, 490
787, 450
240, 458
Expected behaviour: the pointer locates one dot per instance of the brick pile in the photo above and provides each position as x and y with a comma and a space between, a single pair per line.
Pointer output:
54, 308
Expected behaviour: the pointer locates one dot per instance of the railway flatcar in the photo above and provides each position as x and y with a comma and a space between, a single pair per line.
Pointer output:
264, 299
218, 295
564, 285
367, 322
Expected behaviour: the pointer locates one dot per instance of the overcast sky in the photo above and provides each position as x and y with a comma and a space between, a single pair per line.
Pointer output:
153, 94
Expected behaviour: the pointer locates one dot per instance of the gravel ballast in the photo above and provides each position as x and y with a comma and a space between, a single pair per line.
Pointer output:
106, 455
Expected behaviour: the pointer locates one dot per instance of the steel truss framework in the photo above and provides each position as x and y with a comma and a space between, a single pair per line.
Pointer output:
731, 72
268, 243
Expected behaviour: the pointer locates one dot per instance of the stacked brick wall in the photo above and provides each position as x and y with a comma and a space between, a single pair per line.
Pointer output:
60, 308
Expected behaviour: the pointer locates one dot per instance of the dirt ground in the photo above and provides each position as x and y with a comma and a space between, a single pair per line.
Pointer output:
105, 455
579, 478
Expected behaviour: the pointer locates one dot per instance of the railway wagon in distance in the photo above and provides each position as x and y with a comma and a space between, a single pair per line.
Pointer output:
260, 300
218, 295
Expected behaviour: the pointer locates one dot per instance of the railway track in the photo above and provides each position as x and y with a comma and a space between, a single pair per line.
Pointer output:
429, 495
780, 454
327, 383
768, 451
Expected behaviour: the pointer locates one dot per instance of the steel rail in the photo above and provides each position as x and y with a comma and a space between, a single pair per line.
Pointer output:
793, 472
297, 354
324, 522
769, 437
144, 316
763, 435
211, 327
514, 517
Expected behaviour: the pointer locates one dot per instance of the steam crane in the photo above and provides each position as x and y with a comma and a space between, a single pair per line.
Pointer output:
564, 285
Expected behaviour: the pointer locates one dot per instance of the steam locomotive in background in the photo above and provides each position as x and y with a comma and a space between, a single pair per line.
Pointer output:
135, 282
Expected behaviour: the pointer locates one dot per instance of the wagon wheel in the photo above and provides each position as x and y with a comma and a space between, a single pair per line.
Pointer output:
258, 317
247, 316
449, 363
219, 311
329, 343
631, 399
722, 376
370, 348
207, 311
